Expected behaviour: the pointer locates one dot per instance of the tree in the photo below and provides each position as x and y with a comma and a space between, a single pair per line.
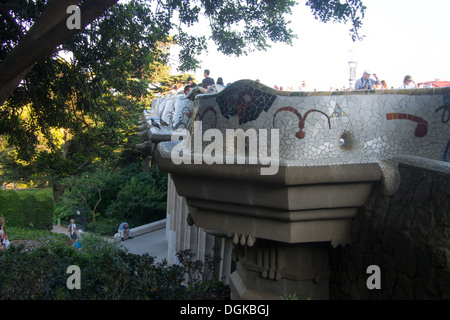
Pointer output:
94, 98
340, 11
86, 190
104, 83
116, 54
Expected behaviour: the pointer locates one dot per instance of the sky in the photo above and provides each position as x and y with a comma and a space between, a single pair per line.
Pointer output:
402, 37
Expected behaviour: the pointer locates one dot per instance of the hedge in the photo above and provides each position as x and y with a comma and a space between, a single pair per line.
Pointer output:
27, 208
107, 273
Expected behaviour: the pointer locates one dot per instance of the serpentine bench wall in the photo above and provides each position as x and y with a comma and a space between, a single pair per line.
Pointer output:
373, 124
332, 148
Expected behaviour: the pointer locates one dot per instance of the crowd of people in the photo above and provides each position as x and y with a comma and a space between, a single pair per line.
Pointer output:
190, 84
368, 81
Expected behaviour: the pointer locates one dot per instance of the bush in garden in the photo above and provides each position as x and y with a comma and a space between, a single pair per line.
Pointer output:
27, 208
142, 196
113, 196
139, 201
105, 227
107, 273
200, 276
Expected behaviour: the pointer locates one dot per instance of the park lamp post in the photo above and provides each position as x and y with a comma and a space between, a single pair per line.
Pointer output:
352, 79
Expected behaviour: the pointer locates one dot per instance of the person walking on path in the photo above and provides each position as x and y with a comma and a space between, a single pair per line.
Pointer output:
73, 231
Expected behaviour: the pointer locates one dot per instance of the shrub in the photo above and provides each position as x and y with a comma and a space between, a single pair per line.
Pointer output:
127, 193
107, 273
200, 279
27, 208
141, 197
37, 209
105, 227
139, 200
10, 208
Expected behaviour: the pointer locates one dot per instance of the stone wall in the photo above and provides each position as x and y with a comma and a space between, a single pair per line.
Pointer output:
406, 235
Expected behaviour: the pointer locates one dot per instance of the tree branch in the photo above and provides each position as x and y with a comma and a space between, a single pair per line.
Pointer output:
49, 31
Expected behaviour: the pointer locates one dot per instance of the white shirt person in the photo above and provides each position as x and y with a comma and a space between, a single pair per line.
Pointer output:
408, 83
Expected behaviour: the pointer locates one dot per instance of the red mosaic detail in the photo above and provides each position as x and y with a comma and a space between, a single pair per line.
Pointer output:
301, 134
422, 126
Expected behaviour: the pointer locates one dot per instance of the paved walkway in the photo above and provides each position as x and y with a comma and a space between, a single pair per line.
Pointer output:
154, 243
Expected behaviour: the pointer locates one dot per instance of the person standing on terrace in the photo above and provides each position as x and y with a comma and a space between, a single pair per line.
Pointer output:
208, 80
365, 82
303, 87
408, 83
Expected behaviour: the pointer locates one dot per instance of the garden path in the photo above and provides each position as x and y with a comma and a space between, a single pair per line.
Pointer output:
153, 243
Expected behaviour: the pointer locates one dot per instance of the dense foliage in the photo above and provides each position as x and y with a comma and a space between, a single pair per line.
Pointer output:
111, 197
77, 109
107, 273
27, 208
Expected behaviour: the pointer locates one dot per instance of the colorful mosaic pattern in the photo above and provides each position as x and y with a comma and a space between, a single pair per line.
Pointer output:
317, 127
301, 124
422, 125
246, 102
182, 113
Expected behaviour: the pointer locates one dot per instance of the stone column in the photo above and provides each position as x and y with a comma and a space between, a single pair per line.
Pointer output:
182, 235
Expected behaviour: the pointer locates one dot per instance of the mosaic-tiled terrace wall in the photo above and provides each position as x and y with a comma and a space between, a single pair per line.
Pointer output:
323, 128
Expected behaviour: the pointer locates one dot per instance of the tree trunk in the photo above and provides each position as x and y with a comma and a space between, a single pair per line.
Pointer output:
58, 191
49, 31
